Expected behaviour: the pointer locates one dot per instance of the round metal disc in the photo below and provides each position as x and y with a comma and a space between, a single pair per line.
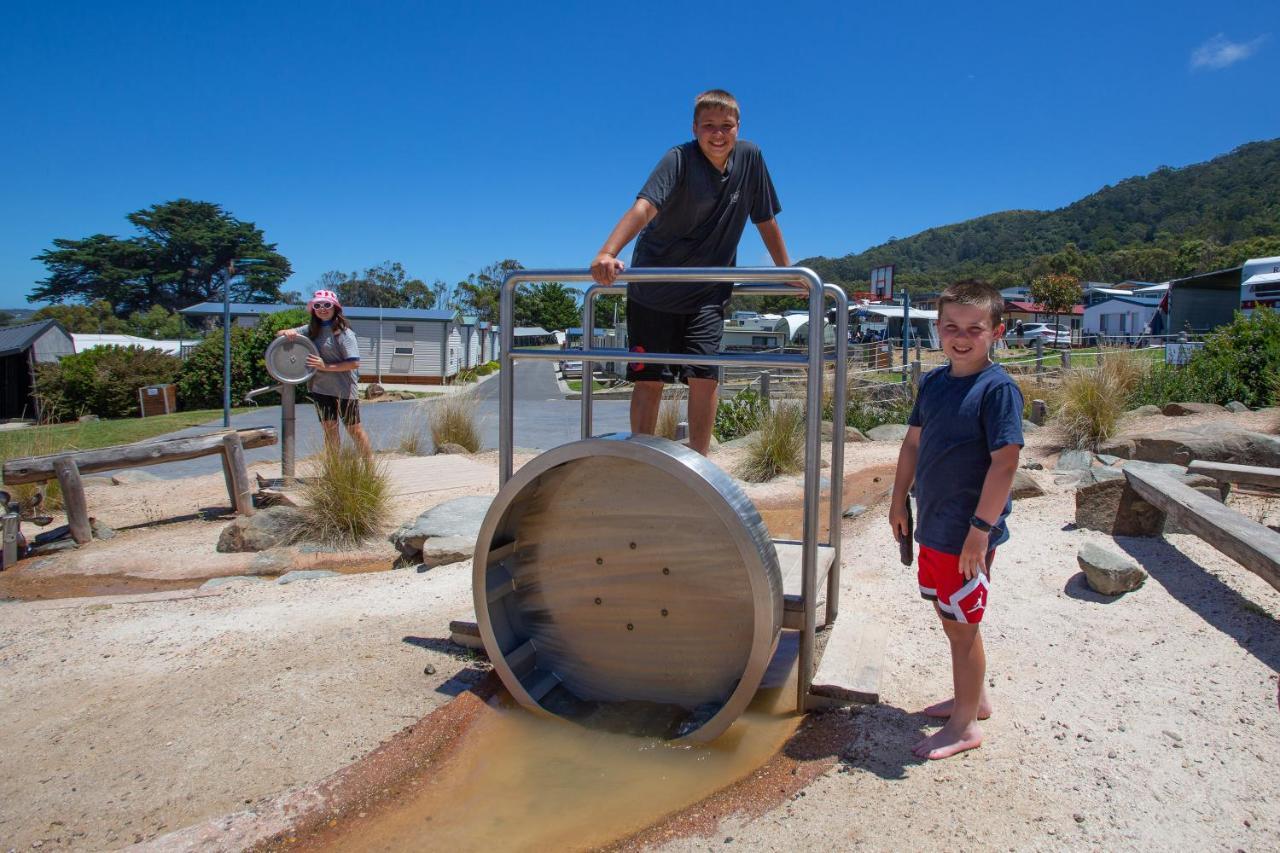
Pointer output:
287, 359
628, 571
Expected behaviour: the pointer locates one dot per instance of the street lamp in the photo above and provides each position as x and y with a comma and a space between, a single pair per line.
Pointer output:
226, 333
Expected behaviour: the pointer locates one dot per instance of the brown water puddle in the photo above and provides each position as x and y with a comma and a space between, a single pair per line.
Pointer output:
516, 781
784, 516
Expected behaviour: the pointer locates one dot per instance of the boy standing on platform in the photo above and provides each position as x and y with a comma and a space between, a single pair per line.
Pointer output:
961, 451
690, 213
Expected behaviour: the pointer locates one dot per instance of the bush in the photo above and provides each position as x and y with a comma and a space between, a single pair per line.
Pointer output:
347, 499
778, 448
103, 381
1239, 360
453, 421
200, 379
739, 415
866, 412
1094, 401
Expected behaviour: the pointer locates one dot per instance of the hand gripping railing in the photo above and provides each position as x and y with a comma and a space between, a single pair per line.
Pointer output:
749, 280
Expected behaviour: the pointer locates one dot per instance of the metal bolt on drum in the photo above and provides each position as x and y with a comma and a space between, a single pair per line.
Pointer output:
628, 572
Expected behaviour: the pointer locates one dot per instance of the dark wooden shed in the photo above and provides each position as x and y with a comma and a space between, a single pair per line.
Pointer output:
21, 349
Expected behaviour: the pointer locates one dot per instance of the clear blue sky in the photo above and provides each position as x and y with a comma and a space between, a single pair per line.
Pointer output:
450, 135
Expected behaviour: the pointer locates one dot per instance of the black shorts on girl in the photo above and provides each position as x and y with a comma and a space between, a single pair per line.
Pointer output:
330, 408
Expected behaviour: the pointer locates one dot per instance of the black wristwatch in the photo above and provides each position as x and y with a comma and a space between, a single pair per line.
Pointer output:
974, 521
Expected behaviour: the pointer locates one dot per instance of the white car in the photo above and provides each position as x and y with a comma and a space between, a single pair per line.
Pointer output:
1053, 334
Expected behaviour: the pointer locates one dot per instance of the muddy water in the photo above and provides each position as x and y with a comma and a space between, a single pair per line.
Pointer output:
784, 516
522, 782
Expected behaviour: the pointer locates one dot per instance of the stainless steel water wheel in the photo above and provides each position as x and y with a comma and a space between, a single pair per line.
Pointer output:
286, 359
628, 570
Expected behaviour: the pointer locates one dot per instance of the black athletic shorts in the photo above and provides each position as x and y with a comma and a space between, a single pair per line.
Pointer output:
330, 408
650, 330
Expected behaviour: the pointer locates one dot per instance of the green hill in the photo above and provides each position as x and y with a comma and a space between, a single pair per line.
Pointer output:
1169, 223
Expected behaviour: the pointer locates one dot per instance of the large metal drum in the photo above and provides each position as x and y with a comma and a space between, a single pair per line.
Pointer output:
628, 571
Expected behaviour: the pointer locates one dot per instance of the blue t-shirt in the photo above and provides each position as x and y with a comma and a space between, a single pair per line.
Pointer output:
963, 421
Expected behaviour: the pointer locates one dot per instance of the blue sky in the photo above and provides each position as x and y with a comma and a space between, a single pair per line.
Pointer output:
448, 136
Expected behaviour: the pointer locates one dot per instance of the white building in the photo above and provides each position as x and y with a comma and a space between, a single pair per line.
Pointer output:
84, 341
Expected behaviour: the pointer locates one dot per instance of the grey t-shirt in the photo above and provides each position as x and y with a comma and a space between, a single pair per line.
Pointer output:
701, 216
334, 349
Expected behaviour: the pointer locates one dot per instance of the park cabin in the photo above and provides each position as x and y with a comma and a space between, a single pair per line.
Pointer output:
412, 346
1123, 316
21, 349
886, 321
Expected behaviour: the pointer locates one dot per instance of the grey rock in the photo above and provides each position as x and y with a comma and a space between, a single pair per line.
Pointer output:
305, 575
215, 583
1025, 486
1033, 466
1108, 572
1029, 426
1108, 459
888, 432
133, 476
740, 441
854, 511
1105, 502
457, 519
374, 390
1237, 407
442, 550
1174, 410
1214, 441
101, 530
54, 547
454, 449
1074, 460
269, 528
87, 419
273, 561
1146, 410
851, 434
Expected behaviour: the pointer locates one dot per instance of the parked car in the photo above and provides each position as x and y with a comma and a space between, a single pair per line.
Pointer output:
571, 369
1053, 334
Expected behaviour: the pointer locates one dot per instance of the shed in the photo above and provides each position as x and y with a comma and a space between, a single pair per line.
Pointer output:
472, 342
1121, 317
406, 345
21, 349
1201, 303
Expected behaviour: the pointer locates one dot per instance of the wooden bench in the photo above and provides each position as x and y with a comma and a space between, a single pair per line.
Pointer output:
1252, 545
1244, 475
68, 467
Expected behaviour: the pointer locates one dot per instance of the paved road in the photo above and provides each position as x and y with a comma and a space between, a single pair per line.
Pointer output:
543, 419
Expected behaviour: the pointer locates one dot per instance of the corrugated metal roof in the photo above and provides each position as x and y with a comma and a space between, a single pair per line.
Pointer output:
355, 312
15, 339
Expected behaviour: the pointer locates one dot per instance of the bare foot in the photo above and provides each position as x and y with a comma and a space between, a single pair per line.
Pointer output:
945, 742
942, 710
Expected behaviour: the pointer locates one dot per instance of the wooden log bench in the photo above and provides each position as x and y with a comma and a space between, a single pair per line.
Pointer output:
1252, 545
1243, 475
68, 467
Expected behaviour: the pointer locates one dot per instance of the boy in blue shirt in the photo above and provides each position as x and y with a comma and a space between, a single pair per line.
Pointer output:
961, 452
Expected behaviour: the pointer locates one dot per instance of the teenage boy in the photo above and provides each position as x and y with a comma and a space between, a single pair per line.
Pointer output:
961, 451
690, 213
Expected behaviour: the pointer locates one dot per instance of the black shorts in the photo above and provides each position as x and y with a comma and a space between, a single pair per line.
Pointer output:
330, 408
650, 330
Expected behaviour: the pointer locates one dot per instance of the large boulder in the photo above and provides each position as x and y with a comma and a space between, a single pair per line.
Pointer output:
1237, 407
850, 433
888, 432
1074, 460
1214, 441
268, 528
443, 534
1174, 410
1108, 572
1025, 486
1106, 503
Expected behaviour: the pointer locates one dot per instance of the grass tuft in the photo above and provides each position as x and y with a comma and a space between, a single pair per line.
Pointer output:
347, 498
668, 418
1094, 401
778, 447
453, 421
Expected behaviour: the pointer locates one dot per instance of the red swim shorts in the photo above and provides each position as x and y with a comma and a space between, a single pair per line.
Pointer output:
942, 582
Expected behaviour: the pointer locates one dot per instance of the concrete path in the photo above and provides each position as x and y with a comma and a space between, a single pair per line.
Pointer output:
543, 419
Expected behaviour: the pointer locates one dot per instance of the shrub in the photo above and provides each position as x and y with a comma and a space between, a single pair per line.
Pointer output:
347, 498
866, 412
1093, 401
453, 421
103, 381
778, 448
1239, 360
739, 415
200, 379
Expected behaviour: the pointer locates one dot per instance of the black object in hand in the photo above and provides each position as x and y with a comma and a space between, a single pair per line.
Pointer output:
906, 544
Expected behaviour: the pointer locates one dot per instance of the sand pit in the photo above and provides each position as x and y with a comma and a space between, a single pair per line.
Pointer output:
1147, 721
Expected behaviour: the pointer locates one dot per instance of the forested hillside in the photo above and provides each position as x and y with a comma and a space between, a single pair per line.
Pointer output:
1169, 223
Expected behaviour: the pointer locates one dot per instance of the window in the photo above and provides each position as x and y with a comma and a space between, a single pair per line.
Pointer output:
761, 341
404, 330
404, 350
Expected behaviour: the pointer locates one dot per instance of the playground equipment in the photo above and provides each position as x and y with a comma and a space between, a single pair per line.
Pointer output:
286, 360
627, 569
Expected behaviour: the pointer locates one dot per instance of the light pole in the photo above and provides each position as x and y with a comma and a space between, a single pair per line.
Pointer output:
226, 334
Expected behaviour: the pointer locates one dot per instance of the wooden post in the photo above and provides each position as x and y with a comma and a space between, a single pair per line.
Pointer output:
9, 555
915, 375
1039, 355
1039, 412
1066, 359
764, 385
238, 472
73, 500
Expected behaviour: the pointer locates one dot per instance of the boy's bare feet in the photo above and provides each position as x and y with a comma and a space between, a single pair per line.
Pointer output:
945, 742
942, 710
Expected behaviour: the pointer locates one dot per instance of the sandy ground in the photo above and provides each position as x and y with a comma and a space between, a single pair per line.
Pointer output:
1133, 723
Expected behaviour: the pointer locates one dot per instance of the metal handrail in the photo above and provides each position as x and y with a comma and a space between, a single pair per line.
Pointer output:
744, 278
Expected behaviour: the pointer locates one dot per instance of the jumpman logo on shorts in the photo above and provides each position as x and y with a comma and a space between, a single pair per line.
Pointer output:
981, 605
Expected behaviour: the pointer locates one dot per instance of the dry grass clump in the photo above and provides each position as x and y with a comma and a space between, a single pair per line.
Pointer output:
1094, 401
412, 440
347, 499
1036, 388
668, 418
453, 421
778, 446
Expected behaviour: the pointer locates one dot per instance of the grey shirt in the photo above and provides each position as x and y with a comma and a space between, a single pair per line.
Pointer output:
701, 215
334, 349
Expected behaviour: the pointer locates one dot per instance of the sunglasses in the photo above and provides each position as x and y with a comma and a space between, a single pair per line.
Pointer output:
324, 306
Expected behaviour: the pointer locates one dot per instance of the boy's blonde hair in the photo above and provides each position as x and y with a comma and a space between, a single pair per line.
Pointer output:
972, 291
715, 99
